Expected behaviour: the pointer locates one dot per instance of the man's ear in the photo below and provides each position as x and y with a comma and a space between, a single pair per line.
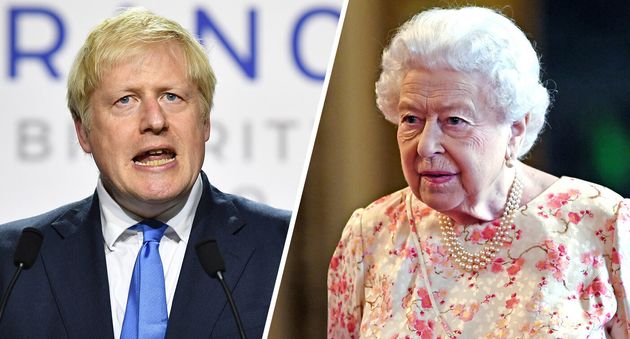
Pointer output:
82, 135
206, 128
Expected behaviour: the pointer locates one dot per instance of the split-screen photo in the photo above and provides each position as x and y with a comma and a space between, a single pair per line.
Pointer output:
315, 169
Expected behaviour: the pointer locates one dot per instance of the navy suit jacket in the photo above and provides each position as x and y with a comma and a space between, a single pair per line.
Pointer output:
66, 294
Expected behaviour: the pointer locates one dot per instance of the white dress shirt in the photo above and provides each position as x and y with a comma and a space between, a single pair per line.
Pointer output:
122, 246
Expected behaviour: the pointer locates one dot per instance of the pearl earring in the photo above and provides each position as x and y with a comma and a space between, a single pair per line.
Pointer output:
509, 160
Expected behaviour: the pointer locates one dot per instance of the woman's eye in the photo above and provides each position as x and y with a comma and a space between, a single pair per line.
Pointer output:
455, 121
410, 119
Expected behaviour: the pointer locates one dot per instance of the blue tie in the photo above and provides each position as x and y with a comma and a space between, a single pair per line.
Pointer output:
146, 315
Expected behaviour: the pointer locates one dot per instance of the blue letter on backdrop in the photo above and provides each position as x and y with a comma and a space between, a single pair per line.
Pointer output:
15, 54
297, 56
246, 62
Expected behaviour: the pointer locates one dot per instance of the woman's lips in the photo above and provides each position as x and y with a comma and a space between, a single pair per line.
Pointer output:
437, 177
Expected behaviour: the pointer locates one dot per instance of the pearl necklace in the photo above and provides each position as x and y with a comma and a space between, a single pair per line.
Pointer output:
474, 262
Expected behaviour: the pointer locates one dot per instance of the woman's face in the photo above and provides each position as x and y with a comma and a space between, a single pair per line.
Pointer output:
452, 146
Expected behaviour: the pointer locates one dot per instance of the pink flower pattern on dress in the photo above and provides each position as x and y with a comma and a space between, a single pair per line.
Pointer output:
564, 274
556, 259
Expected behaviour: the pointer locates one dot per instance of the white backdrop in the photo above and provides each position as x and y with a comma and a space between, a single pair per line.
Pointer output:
265, 105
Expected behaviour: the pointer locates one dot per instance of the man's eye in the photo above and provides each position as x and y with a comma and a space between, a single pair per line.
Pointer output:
171, 97
124, 100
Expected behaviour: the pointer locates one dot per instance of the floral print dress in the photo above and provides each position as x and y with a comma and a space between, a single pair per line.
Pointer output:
562, 275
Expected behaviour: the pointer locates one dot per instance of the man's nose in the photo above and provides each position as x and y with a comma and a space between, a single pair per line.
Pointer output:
153, 118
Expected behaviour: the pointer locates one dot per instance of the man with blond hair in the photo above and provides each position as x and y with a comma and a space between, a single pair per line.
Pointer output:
122, 263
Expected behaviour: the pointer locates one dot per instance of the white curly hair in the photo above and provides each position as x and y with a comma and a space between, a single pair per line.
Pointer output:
472, 40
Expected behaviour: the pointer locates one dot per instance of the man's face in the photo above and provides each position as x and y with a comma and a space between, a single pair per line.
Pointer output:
146, 133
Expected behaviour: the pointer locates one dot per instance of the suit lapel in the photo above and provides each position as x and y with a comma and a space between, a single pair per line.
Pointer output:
74, 261
199, 300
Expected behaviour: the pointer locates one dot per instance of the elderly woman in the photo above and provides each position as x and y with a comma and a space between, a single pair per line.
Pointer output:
480, 245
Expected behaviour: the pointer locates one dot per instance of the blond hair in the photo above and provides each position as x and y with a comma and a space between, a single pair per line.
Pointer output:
123, 36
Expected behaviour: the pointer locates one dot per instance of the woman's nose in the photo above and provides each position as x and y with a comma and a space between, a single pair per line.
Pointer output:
430, 140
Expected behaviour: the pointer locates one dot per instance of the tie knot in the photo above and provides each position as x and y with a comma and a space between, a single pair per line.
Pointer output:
152, 230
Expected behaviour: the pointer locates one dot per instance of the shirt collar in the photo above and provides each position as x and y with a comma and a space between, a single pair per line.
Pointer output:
116, 220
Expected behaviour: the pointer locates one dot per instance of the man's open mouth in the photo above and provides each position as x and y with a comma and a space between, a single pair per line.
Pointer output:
156, 157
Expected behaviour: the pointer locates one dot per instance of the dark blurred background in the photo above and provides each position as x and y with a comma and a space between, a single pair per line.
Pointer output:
585, 53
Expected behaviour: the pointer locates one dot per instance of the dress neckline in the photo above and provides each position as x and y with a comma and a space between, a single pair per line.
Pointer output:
411, 199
